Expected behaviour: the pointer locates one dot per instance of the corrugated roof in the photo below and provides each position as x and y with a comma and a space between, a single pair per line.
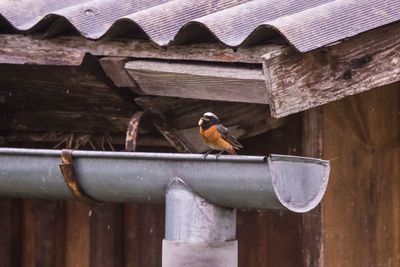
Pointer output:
307, 24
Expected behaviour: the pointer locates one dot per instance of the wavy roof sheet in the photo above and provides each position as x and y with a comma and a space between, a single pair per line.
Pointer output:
306, 25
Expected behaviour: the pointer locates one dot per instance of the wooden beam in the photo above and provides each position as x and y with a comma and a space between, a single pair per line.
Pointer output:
311, 222
297, 82
171, 134
70, 50
19, 55
56, 137
114, 68
199, 81
51, 98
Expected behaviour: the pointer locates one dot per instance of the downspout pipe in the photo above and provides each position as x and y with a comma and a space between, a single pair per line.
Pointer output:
197, 233
244, 182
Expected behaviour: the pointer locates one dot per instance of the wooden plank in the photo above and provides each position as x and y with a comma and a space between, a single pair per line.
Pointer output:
56, 137
59, 234
10, 232
69, 50
311, 223
298, 82
106, 236
143, 234
66, 121
43, 233
80, 99
77, 234
114, 68
269, 239
169, 132
28, 235
199, 81
361, 206
14, 55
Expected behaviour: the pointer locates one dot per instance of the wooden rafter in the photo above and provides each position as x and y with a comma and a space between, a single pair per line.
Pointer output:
70, 50
297, 82
169, 132
15, 137
199, 81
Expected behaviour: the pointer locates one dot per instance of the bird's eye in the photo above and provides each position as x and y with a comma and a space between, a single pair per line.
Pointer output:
206, 119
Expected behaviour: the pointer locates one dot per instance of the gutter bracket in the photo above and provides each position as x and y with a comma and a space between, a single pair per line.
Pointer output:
71, 179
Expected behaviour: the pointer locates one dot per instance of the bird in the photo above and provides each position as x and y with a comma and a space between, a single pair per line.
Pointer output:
216, 136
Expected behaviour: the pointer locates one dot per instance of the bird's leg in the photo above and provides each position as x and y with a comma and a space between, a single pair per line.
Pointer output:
208, 152
219, 154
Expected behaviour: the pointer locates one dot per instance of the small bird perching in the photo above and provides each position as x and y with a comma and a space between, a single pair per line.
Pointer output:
216, 136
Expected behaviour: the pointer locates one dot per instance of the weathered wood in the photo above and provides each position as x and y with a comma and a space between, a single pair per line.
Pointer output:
56, 137
66, 99
298, 82
43, 233
143, 234
77, 234
361, 207
311, 223
171, 134
199, 81
10, 232
69, 50
18, 55
114, 68
106, 236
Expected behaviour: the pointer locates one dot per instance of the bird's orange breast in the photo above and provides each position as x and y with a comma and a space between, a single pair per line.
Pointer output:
213, 139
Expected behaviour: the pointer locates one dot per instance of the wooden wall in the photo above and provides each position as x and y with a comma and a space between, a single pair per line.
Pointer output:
361, 208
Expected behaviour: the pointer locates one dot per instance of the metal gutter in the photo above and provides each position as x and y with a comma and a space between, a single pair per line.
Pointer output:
250, 182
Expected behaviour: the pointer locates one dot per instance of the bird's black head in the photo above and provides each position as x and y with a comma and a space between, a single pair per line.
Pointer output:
209, 119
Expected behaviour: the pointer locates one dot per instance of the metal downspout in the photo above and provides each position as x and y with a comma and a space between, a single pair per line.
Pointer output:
197, 233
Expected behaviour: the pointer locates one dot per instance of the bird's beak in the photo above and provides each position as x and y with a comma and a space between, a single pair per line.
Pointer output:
201, 121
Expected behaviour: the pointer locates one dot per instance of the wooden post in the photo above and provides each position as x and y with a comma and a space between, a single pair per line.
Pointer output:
311, 222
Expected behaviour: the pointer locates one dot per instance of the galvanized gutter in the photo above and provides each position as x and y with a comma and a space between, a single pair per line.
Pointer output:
201, 195
245, 182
